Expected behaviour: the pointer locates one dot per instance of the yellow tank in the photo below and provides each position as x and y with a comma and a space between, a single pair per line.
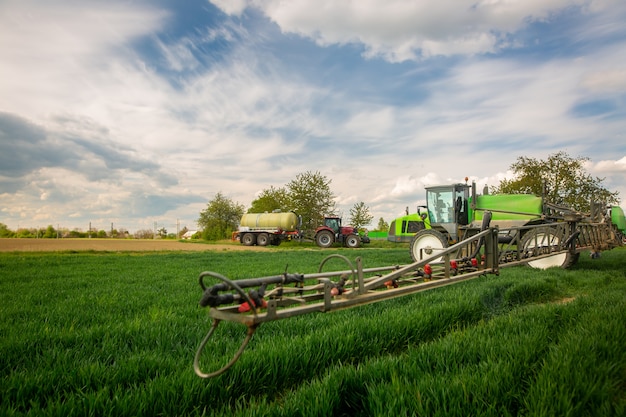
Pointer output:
287, 222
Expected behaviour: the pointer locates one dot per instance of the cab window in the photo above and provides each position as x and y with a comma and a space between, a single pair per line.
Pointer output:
412, 226
440, 206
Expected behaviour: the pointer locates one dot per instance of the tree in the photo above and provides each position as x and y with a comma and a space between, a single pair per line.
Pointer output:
144, 234
25, 233
383, 226
310, 196
270, 200
360, 215
4, 231
50, 233
220, 218
566, 181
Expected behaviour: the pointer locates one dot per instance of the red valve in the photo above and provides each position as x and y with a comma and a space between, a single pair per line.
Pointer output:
428, 271
245, 307
391, 284
454, 267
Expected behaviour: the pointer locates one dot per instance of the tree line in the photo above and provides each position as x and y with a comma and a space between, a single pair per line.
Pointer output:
51, 232
308, 194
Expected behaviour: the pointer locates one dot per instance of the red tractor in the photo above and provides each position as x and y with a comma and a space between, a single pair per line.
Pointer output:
332, 232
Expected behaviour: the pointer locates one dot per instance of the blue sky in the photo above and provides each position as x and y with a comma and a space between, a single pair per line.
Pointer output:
139, 112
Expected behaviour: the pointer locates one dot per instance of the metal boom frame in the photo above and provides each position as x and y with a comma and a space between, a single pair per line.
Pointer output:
480, 253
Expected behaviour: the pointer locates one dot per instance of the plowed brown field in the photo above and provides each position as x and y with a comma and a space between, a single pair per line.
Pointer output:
112, 245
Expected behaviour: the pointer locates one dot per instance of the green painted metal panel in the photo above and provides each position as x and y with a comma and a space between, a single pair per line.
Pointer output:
509, 206
618, 219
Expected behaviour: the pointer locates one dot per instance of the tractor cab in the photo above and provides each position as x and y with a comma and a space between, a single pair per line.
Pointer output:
333, 223
447, 207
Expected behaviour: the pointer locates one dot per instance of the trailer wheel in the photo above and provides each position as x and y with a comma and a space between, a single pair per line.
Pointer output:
353, 241
425, 243
248, 239
538, 241
262, 239
324, 239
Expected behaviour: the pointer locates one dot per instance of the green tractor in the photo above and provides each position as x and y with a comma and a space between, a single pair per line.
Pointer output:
451, 211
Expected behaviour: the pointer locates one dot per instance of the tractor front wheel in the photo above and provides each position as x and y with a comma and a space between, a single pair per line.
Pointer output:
426, 243
324, 239
353, 241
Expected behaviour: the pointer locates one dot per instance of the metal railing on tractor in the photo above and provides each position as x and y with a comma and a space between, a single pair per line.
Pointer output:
252, 302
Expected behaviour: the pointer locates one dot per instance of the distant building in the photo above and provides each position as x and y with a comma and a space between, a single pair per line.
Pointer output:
189, 234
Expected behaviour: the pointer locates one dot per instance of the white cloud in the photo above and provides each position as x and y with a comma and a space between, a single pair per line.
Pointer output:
64, 56
405, 185
231, 7
65, 30
371, 123
608, 166
399, 30
613, 80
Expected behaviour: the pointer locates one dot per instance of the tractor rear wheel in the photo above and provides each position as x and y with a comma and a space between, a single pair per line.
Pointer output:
353, 241
543, 241
426, 243
324, 239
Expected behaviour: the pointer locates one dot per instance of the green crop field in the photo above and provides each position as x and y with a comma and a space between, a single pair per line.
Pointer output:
89, 333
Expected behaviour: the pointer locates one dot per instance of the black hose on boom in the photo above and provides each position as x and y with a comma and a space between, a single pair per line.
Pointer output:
212, 297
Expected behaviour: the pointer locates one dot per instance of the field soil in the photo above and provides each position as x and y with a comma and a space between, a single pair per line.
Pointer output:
114, 245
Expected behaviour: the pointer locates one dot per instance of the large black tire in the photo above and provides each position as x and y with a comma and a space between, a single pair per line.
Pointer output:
541, 241
324, 239
426, 243
248, 239
353, 241
262, 239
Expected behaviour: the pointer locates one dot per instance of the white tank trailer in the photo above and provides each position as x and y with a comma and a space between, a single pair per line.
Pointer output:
268, 228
